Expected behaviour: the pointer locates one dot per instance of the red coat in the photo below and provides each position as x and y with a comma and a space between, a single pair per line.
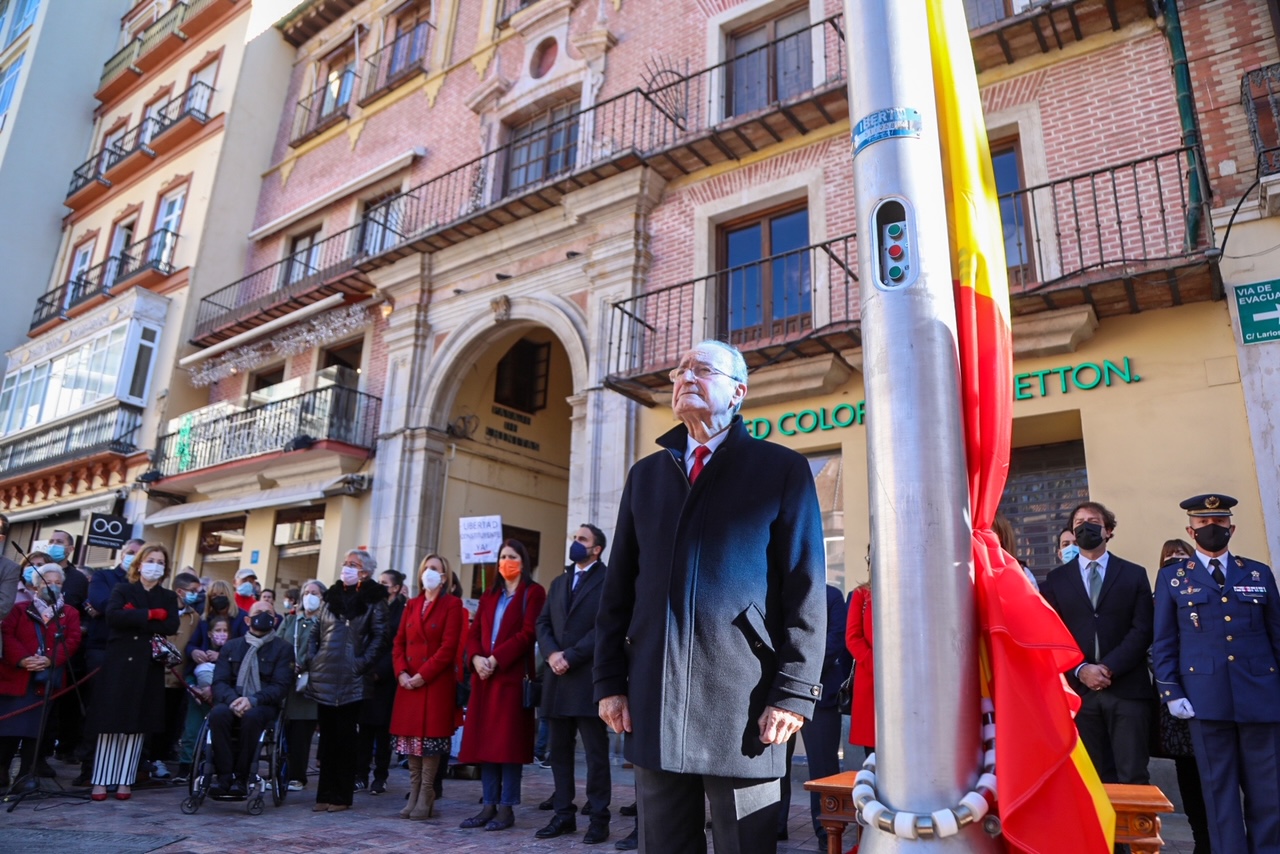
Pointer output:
858, 637
498, 727
20, 641
427, 645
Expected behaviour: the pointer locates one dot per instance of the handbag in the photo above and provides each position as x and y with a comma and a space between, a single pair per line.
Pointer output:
163, 652
844, 696
530, 685
462, 693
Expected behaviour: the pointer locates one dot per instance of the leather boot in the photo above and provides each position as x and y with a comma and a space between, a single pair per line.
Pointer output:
482, 818
415, 786
426, 799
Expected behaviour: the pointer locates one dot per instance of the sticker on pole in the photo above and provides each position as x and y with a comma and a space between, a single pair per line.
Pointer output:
1259, 311
481, 538
892, 123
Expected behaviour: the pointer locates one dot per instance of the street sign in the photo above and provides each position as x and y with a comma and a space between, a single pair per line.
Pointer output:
1258, 307
109, 532
481, 538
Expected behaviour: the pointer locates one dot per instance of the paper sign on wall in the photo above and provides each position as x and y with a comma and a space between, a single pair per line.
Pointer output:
481, 538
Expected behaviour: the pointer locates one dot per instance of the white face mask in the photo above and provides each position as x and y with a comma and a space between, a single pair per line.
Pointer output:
311, 602
431, 579
350, 575
151, 571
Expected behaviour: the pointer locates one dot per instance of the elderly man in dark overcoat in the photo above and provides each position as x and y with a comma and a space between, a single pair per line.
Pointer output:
711, 631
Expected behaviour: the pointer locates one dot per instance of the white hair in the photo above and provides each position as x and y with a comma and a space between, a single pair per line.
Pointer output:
739, 371
368, 561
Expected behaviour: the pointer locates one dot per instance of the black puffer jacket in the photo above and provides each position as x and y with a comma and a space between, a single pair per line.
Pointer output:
350, 633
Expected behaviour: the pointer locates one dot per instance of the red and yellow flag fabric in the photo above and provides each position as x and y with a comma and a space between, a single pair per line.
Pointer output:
1051, 800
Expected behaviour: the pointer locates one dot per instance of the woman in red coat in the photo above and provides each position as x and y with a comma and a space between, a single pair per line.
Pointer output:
498, 734
424, 655
39, 635
858, 638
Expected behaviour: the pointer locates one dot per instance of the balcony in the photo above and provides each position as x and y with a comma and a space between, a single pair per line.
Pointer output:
788, 306
334, 418
309, 18
323, 108
152, 46
180, 118
509, 7
201, 14
74, 296
401, 60
309, 275
147, 262
110, 431
1122, 239
1005, 31
1260, 97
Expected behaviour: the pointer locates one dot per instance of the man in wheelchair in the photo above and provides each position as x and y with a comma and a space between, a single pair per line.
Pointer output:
250, 683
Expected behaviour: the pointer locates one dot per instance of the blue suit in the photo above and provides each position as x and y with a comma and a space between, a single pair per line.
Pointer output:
1219, 648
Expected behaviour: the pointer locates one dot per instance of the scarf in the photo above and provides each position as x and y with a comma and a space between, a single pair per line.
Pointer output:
41, 610
249, 682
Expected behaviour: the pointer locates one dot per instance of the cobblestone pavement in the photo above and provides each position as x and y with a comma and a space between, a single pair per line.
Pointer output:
372, 823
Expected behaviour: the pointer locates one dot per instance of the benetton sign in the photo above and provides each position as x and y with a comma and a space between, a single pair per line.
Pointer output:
1061, 380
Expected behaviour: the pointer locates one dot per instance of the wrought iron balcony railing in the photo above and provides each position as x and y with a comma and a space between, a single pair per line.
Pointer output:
153, 252
95, 281
146, 42
1260, 97
111, 430
510, 7
324, 107
1131, 217
398, 61
335, 413
767, 308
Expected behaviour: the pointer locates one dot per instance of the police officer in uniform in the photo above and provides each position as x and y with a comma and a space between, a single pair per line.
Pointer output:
1217, 664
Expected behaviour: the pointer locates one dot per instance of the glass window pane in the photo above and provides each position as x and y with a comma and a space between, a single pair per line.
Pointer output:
35, 400
1008, 180
828, 477
141, 371
113, 360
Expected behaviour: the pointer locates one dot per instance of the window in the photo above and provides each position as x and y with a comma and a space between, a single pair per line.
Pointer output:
543, 148
380, 225
24, 15
522, 377
299, 525
111, 151
164, 236
121, 239
1013, 210
766, 286
1045, 482
982, 12
407, 35
304, 255
114, 363
78, 279
339, 79
152, 121
344, 356
770, 63
222, 539
266, 379
828, 477
200, 89
9, 85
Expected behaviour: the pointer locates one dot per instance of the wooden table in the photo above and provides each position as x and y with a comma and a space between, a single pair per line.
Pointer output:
1138, 810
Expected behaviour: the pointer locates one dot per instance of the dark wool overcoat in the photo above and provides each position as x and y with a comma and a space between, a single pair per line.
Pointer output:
128, 694
570, 627
714, 605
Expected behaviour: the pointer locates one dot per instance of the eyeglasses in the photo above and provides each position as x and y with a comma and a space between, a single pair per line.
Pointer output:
700, 371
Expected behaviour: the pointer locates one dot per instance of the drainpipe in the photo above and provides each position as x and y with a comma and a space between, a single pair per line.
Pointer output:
1196, 179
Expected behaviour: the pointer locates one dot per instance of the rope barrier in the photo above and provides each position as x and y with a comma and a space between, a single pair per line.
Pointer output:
56, 695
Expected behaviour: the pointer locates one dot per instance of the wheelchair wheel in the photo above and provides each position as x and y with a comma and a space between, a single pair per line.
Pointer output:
278, 763
201, 771
254, 806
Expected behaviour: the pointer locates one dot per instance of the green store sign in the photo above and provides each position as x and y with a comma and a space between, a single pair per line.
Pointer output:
1050, 381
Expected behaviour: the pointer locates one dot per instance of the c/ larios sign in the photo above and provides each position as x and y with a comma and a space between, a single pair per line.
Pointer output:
1060, 380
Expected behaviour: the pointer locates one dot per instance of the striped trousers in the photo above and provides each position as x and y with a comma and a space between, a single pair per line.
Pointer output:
115, 763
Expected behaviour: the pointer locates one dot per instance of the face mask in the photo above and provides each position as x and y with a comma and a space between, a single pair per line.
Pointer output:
263, 622
220, 603
1070, 553
1172, 559
1089, 536
57, 553
52, 592
577, 552
127, 560
311, 602
29, 576
350, 575
510, 568
245, 589
431, 579
191, 597
1212, 538
219, 638
152, 571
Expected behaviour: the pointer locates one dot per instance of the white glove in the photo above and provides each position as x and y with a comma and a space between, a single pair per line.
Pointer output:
1181, 709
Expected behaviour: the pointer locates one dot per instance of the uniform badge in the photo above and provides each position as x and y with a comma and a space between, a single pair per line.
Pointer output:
1174, 583
1181, 573
1257, 576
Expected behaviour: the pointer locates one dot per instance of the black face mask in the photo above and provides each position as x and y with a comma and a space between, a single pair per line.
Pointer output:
1212, 538
1089, 536
262, 622
220, 603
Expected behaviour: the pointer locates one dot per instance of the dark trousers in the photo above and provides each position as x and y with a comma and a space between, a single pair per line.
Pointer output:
595, 744
784, 788
1234, 757
337, 753
300, 735
69, 713
160, 745
1193, 801
222, 721
672, 820
822, 744
9, 745
374, 745
93, 659
1115, 732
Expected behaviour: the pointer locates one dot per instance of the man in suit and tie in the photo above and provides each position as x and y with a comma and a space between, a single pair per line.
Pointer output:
1105, 602
567, 637
1217, 662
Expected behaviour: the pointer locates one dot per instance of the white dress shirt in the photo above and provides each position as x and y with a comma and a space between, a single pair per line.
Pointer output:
1102, 567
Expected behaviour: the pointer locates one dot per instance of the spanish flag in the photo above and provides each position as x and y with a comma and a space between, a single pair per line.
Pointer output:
1051, 799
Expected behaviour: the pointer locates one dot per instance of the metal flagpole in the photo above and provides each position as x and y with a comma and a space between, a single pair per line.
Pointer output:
928, 732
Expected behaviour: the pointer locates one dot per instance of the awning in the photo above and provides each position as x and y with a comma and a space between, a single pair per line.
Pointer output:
104, 501
279, 496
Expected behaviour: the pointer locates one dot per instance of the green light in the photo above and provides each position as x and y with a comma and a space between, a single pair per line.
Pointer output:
895, 272
895, 230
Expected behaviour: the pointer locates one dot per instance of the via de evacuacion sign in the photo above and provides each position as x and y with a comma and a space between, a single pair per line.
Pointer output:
1026, 386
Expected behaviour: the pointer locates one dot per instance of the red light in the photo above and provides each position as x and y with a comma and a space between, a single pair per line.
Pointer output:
895, 252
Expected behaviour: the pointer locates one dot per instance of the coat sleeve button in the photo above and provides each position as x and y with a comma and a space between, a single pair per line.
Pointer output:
1227, 618
816, 690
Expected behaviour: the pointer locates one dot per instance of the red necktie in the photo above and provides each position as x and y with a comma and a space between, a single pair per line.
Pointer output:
700, 455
